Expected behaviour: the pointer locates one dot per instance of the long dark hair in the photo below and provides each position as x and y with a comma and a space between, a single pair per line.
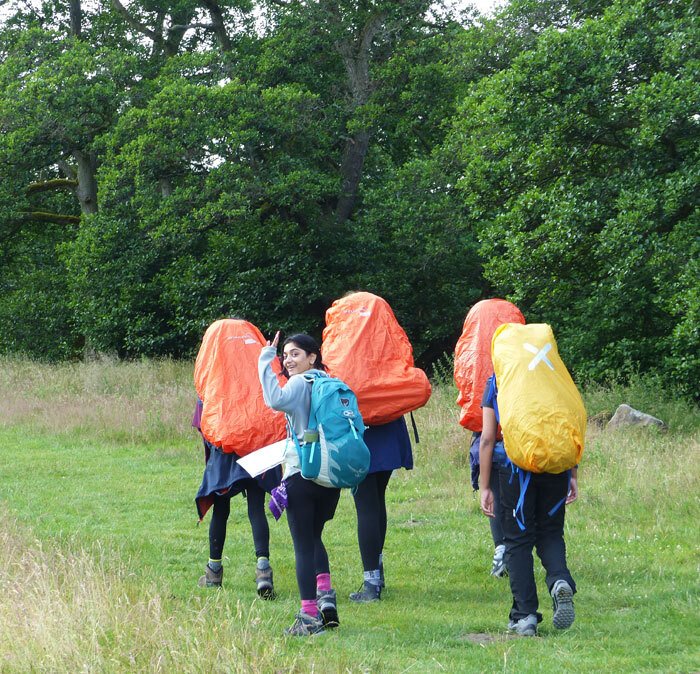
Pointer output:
307, 344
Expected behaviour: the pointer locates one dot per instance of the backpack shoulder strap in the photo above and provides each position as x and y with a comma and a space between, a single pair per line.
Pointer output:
415, 428
312, 378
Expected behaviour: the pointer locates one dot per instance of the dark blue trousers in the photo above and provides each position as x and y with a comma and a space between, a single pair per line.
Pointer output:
543, 532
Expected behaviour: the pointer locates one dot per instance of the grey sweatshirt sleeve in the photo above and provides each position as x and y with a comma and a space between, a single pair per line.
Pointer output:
294, 399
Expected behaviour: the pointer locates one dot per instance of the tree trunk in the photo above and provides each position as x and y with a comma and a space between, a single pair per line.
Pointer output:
218, 26
356, 55
76, 18
87, 181
351, 171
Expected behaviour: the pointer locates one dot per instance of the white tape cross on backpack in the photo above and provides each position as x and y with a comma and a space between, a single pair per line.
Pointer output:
540, 355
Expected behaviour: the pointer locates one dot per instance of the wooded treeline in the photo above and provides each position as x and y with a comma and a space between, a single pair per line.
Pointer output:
165, 164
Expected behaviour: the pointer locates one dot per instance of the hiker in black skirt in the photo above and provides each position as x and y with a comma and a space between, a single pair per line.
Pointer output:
234, 421
223, 479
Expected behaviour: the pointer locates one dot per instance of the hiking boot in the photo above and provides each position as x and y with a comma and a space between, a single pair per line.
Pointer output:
305, 625
211, 578
382, 584
525, 627
563, 603
263, 583
498, 566
328, 607
367, 593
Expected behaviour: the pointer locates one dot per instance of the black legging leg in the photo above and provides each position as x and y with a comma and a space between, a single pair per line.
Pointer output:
370, 503
217, 526
258, 521
309, 507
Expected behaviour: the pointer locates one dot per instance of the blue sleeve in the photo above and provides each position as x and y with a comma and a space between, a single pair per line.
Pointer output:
490, 398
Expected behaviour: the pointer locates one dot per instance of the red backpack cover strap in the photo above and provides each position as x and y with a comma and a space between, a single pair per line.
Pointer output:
364, 345
473, 355
235, 417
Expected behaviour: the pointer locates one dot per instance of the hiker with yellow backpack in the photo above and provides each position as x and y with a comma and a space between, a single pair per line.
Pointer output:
540, 411
365, 346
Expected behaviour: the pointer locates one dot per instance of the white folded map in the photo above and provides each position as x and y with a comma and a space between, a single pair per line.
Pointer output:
263, 459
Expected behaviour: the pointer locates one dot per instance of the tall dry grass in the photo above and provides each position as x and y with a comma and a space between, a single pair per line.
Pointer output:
79, 611
106, 399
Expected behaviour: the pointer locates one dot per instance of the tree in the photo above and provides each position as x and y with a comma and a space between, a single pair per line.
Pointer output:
580, 165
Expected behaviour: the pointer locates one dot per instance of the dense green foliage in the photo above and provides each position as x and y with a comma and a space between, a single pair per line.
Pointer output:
582, 170
166, 164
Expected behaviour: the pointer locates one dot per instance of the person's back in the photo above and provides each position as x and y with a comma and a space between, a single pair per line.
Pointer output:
364, 345
533, 503
234, 421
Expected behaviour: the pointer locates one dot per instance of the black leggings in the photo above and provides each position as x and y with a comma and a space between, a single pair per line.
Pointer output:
256, 515
309, 507
370, 503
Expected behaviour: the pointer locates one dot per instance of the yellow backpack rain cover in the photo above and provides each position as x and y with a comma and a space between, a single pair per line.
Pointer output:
235, 417
541, 412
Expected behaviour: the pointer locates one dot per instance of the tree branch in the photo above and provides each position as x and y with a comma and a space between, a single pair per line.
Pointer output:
184, 28
218, 24
48, 185
134, 23
57, 218
76, 18
67, 169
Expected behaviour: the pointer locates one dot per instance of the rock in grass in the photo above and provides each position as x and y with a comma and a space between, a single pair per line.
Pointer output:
628, 416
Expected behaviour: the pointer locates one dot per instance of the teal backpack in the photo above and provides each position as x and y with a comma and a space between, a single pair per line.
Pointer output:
333, 452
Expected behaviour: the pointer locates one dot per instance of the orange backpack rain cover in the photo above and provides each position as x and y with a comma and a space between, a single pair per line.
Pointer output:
235, 417
473, 355
364, 345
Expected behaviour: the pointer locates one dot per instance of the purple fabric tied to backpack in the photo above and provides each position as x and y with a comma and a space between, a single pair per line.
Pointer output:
278, 500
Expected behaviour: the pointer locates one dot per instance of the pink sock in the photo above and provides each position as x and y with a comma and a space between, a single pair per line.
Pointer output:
323, 582
309, 607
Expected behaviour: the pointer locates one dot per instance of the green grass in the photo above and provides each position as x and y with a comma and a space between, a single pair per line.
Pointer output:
100, 551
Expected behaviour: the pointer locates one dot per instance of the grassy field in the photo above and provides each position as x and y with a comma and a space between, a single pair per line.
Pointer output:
100, 549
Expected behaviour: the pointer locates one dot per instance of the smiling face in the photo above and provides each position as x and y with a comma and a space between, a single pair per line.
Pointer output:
296, 360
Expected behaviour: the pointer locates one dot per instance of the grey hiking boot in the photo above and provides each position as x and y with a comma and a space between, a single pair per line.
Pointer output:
498, 566
525, 627
367, 593
263, 583
563, 603
211, 578
305, 625
328, 607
